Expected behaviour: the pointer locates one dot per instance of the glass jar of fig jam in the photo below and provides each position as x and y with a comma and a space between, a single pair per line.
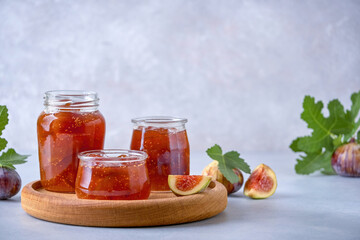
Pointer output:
165, 141
112, 174
70, 123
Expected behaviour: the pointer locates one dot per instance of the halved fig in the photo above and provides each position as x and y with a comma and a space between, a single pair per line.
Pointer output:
188, 184
261, 183
213, 171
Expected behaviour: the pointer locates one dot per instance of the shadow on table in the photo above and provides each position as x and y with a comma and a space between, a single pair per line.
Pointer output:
12, 200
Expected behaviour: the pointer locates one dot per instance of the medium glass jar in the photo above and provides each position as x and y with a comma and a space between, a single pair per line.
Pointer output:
165, 140
70, 123
112, 175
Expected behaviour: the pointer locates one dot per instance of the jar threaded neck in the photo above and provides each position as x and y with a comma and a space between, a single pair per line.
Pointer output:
71, 100
159, 121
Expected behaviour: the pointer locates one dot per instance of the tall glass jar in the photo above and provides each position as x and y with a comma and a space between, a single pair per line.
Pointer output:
165, 140
70, 123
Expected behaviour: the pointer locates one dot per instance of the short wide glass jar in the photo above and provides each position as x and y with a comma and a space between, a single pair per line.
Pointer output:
69, 124
165, 140
112, 174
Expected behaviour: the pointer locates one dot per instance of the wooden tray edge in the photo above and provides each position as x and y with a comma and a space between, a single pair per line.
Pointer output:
152, 212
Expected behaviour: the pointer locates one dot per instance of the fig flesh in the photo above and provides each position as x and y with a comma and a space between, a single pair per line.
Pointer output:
183, 185
346, 160
10, 183
213, 171
261, 183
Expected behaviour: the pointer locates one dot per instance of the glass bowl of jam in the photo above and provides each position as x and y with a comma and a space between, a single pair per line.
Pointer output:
112, 174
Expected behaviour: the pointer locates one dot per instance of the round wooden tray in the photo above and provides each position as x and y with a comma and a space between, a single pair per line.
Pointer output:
162, 208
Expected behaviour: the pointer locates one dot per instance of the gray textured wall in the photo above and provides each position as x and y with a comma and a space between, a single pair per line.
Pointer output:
238, 70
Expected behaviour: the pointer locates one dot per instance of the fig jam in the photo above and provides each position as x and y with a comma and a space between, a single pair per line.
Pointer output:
165, 141
69, 124
112, 175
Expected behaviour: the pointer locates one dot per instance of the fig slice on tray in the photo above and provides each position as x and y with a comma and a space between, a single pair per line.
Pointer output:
183, 185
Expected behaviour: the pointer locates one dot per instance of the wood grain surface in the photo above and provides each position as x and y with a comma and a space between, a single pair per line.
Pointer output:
162, 208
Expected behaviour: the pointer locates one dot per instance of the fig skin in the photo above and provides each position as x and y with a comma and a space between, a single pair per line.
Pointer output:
10, 183
213, 170
198, 188
261, 183
346, 160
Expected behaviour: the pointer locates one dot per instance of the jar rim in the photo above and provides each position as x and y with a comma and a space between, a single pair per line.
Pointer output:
71, 99
112, 155
70, 92
159, 120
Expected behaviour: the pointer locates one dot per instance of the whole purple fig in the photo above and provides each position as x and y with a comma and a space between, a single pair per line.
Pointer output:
346, 160
10, 183
213, 170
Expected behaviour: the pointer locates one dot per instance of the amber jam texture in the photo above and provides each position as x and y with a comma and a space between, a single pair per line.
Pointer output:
165, 140
112, 175
69, 124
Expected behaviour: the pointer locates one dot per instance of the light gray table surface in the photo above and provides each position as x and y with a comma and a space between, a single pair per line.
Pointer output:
303, 207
